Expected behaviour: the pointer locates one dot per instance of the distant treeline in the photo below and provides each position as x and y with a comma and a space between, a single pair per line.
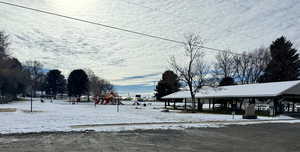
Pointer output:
30, 78
278, 62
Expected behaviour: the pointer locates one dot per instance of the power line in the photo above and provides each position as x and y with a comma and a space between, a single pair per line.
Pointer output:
113, 27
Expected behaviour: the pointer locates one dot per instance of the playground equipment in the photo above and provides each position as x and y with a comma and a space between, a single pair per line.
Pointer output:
110, 98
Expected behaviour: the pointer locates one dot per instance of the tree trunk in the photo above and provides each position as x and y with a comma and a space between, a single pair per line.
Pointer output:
193, 103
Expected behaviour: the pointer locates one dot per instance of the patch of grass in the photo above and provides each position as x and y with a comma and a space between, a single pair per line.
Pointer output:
33, 111
8, 109
263, 113
81, 101
226, 112
211, 112
22, 99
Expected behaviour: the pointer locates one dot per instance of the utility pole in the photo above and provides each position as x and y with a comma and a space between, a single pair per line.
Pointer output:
118, 104
31, 100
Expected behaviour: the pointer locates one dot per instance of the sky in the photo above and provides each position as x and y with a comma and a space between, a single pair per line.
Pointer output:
134, 63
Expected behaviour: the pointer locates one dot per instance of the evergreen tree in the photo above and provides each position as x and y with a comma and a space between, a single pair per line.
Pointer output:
77, 83
284, 65
167, 85
55, 82
227, 81
13, 77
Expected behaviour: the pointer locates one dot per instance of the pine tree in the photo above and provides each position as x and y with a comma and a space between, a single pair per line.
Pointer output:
284, 65
167, 85
77, 83
227, 81
55, 82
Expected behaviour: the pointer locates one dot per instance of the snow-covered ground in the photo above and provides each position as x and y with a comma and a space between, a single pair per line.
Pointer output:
61, 116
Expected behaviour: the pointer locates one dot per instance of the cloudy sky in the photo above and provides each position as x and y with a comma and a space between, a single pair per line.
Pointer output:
134, 63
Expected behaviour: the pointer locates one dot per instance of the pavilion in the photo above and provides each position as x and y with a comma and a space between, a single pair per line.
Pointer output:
283, 95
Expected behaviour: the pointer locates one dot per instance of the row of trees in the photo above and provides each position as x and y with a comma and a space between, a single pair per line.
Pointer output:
14, 78
31, 77
80, 82
85, 81
279, 62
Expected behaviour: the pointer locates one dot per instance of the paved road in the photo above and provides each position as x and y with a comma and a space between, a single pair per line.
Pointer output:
251, 138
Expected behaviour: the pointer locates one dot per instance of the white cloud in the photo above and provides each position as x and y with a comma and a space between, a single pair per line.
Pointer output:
114, 55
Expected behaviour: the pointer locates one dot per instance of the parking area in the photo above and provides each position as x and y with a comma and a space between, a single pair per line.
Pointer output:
258, 138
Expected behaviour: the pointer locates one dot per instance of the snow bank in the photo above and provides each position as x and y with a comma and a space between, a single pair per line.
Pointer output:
60, 116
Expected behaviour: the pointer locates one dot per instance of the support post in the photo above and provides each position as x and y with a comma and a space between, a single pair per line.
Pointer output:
293, 107
199, 105
165, 104
174, 104
213, 104
31, 101
275, 106
118, 104
184, 103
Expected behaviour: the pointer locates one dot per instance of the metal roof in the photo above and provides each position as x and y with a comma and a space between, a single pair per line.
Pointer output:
271, 89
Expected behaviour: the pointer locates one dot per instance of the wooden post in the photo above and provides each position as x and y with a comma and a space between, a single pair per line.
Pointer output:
213, 100
118, 104
174, 104
184, 103
231, 105
275, 107
199, 105
165, 104
293, 107
241, 104
31, 101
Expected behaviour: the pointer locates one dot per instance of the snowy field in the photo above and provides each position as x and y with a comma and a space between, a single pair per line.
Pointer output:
63, 116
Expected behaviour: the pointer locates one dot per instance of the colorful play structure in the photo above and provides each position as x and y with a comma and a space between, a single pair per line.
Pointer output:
108, 99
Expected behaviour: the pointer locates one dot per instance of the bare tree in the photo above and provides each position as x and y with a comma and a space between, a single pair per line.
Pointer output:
13, 79
250, 66
35, 69
194, 72
260, 60
90, 75
225, 65
97, 85
243, 67
3, 44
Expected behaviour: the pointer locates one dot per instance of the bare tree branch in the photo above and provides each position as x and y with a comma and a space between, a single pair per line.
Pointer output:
193, 73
